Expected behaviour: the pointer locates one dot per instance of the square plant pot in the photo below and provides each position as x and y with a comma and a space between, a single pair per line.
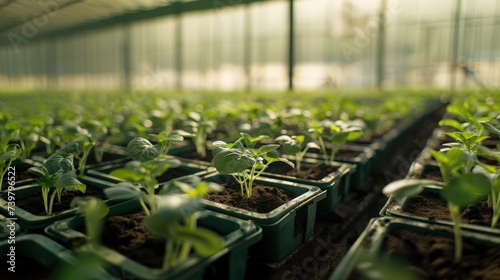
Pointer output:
360, 156
38, 257
9, 228
238, 235
186, 168
19, 174
33, 222
336, 183
411, 242
284, 228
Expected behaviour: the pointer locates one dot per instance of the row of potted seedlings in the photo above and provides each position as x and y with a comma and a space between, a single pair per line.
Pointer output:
203, 215
441, 221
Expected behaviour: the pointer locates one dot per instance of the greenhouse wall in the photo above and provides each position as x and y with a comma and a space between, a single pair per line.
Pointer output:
238, 45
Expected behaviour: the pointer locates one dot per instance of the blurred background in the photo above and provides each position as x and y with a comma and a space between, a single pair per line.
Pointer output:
249, 44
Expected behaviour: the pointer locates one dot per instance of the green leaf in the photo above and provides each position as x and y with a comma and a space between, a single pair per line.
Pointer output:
123, 191
68, 181
287, 162
172, 209
169, 186
90, 205
452, 123
40, 172
142, 150
491, 128
161, 166
58, 162
408, 187
204, 241
13, 151
128, 175
230, 161
496, 185
267, 148
466, 189
70, 149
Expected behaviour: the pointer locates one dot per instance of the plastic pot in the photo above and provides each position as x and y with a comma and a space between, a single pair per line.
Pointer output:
281, 232
362, 158
238, 236
30, 221
371, 243
336, 184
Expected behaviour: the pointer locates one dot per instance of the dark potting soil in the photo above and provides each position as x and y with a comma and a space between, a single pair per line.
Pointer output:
126, 235
264, 199
308, 171
34, 203
25, 268
432, 256
431, 205
432, 174
21, 175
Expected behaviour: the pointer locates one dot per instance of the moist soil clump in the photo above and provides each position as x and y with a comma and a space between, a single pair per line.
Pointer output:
264, 199
34, 203
432, 256
430, 205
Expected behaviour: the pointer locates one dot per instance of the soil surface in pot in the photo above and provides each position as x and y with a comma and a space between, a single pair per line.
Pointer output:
432, 256
126, 235
430, 205
26, 268
264, 199
21, 175
308, 171
34, 203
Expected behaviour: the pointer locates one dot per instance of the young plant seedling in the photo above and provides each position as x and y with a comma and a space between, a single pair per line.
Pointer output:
146, 166
176, 221
93, 210
245, 162
296, 145
337, 133
165, 140
8, 153
457, 189
57, 173
201, 128
190, 185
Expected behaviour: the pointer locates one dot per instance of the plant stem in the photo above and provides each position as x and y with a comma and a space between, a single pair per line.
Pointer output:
51, 203
45, 196
169, 247
455, 217
144, 207
186, 245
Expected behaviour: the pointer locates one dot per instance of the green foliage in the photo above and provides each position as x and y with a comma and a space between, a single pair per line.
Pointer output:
201, 127
243, 161
144, 170
8, 153
176, 222
296, 145
93, 210
336, 133
58, 174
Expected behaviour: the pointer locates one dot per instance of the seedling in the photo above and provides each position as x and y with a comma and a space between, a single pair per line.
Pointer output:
337, 133
201, 128
165, 140
245, 162
8, 153
176, 221
56, 173
190, 185
146, 166
296, 145
457, 189
93, 210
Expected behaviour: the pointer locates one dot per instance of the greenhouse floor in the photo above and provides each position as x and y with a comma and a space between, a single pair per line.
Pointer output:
337, 231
